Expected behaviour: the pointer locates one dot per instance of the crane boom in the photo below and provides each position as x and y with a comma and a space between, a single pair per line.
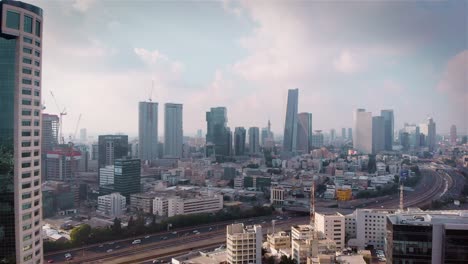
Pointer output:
76, 127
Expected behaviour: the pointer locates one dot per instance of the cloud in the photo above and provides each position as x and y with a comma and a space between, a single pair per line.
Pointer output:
346, 63
155, 58
82, 5
454, 81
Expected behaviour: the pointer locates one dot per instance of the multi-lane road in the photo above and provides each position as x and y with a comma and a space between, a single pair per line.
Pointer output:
165, 242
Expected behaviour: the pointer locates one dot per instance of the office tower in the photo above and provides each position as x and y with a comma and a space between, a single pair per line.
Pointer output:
83, 135
416, 236
111, 147
50, 129
378, 134
94, 151
148, 131
404, 140
249, 238
317, 139
106, 175
389, 128
127, 176
62, 162
239, 141
199, 133
290, 126
343, 133
453, 135
254, 140
217, 131
431, 134
173, 134
362, 137
350, 134
332, 226
304, 132
230, 151
413, 135
332, 135
20, 127
263, 136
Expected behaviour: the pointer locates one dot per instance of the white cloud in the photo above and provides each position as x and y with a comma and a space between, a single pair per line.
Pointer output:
150, 57
454, 80
82, 5
346, 63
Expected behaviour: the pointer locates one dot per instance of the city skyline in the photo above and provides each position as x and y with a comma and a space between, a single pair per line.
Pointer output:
239, 73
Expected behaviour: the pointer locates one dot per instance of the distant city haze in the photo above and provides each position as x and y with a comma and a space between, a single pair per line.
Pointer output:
101, 58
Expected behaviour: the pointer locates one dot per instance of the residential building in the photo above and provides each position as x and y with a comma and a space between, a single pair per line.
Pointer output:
148, 131
453, 135
304, 132
142, 202
300, 250
254, 140
239, 141
203, 203
388, 128
427, 237
290, 126
302, 231
106, 175
20, 128
218, 133
112, 204
127, 177
362, 137
244, 244
279, 240
331, 226
378, 134
173, 130
277, 195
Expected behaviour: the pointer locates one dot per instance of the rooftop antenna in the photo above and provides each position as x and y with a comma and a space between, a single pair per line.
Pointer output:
401, 197
312, 205
151, 91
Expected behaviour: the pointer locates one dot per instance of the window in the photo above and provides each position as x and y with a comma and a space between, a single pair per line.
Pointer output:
27, 40
36, 163
28, 257
36, 203
36, 173
26, 112
36, 182
38, 44
27, 217
28, 22
27, 50
27, 81
26, 154
27, 71
36, 93
36, 133
36, 63
26, 133
26, 102
36, 153
26, 175
26, 165
26, 206
26, 91
26, 143
36, 213
37, 53
36, 143
36, 192
36, 113
26, 196
37, 74
26, 123
37, 103
27, 237
28, 247
27, 60
36, 122
26, 185
36, 83
12, 20
36, 223
38, 28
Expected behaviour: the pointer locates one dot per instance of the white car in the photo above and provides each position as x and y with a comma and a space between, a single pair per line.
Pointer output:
147, 237
68, 256
136, 241
195, 231
109, 250
174, 233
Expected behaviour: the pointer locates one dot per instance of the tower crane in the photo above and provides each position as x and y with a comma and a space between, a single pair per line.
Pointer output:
62, 113
76, 127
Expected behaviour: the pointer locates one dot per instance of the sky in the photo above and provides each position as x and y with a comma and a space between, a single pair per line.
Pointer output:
100, 58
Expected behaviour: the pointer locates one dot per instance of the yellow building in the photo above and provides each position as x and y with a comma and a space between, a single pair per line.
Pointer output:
344, 194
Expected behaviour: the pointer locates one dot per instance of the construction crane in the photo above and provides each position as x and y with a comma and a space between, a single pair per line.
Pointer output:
151, 92
62, 113
76, 127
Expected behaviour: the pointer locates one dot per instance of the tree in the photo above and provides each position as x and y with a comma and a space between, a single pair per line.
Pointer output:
131, 222
117, 226
287, 260
80, 235
270, 260
372, 165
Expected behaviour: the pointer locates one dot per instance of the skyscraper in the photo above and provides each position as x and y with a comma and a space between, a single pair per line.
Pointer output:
111, 148
217, 131
83, 135
20, 128
389, 129
378, 134
304, 132
343, 133
173, 134
148, 131
290, 126
254, 140
429, 131
453, 135
350, 133
332, 135
264, 136
239, 141
49, 139
127, 176
362, 137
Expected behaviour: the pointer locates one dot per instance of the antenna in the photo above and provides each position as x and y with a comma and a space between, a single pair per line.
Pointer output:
312, 205
151, 91
401, 197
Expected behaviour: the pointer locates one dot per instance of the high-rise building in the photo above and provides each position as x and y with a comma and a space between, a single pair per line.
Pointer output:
173, 134
304, 132
263, 136
254, 140
362, 137
106, 175
249, 239
62, 162
427, 237
343, 133
148, 131
431, 138
453, 135
83, 135
217, 131
239, 141
199, 133
127, 176
20, 128
389, 128
317, 139
49, 139
290, 126
111, 148
332, 135
413, 132
350, 133
378, 134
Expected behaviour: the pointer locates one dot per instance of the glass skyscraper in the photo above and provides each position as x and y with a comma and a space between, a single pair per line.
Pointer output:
148, 131
239, 141
173, 133
290, 126
389, 129
304, 132
217, 132
254, 140
20, 133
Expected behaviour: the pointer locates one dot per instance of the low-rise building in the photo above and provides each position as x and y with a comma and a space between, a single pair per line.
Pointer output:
202, 203
302, 232
112, 204
142, 202
331, 226
244, 244
277, 195
160, 205
279, 240
367, 227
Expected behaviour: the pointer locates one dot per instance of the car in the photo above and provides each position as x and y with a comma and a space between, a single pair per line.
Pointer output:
50, 261
174, 233
101, 245
117, 246
109, 250
111, 243
164, 238
263, 222
195, 231
157, 261
147, 237
136, 241
210, 229
68, 256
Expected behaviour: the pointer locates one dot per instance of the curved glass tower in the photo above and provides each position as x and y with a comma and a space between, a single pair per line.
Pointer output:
20, 128
290, 125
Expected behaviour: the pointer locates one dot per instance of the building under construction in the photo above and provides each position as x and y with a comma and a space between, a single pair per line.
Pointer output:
49, 139
60, 162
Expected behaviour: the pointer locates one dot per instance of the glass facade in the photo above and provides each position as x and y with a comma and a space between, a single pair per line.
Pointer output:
28, 24
217, 132
7, 200
456, 246
127, 177
411, 244
13, 20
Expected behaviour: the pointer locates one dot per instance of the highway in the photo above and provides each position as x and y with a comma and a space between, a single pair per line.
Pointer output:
122, 248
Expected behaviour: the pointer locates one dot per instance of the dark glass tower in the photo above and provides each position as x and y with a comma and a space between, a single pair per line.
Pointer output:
239, 141
290, 126
217, 131
389, 130
127, 175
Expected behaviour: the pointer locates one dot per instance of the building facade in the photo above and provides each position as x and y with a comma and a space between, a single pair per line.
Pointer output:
317, 139
331, 226
127, 176
453, 135
378, 134
106, 175
389, 128
148, 130
254, 140
362, 137
194, 205
239, 141
173, 130
142, 202
290, 126
112, 204
304, 132
62, 163
20, 133
244, 244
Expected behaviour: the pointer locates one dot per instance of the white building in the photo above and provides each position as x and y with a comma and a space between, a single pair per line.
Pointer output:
199, 204
244, 244
106, 175
112, 204
302, 232
160, 205
332, 226
362, 136
277, 195
367, 227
